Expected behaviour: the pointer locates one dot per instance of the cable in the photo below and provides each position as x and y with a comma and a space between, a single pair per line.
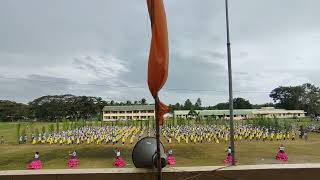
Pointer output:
131, 87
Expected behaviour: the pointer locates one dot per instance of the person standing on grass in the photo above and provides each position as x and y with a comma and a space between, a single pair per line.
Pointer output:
73, 161
25, 139
36, 163
2, 140
305, 136
20, 140
119, 162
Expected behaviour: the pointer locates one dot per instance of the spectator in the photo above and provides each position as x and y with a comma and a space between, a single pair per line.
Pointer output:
305, 135
2, 140
20, 140
25, 139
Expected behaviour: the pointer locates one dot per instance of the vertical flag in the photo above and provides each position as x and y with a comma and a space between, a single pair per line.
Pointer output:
159, 54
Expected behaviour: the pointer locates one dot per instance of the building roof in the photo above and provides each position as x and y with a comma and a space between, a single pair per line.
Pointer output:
129, 108
183, 112
226, 112
277, 111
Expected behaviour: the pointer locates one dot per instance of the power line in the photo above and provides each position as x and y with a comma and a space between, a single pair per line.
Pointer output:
130, 87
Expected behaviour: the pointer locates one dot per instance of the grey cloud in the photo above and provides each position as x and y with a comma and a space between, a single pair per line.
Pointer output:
33, 86
107, 42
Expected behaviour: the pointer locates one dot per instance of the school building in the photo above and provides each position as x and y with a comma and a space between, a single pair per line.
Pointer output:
266, 112
133, 112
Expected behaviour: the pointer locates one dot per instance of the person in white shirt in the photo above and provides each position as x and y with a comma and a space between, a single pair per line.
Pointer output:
117, 152
73, 154
281, 148
229, 151
36, 156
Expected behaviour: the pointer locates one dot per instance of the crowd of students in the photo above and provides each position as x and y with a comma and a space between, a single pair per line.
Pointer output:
221, 133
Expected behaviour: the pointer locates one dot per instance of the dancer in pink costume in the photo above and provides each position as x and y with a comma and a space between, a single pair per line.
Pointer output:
36, 163
171, 160
282, 156
119, 162
228, 159
73, 161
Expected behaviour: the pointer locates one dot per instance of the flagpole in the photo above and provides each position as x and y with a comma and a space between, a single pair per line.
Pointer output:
156, 100
159, 175
230, 86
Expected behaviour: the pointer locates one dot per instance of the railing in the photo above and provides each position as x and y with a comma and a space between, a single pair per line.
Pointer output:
242, 172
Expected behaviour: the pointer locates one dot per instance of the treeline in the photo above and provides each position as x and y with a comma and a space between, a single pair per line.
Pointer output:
57, 107
305, 97
50, 108
238, 103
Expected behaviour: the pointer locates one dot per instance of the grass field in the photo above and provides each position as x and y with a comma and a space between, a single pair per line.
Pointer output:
14, 156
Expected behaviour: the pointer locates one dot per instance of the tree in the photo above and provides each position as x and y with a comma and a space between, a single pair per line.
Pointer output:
240, 103
287, 97
194, 114
12, 111
259, 106
306, 97
310, 99
221, 106
177, 106
198, 104
67, 106
188, 104
128, 103
143, 101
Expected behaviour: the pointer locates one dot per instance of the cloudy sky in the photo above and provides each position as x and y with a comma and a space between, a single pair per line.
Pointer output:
100, 48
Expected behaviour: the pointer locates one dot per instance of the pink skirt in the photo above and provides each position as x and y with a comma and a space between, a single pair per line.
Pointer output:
228, 159
35, 164
171, 160
119, 162
282, 156
73, 163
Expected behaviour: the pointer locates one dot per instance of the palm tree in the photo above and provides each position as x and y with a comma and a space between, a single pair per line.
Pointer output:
194, 115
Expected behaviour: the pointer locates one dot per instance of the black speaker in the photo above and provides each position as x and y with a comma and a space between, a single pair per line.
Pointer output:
144, 153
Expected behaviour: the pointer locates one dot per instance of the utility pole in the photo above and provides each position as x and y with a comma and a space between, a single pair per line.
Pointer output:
230, 86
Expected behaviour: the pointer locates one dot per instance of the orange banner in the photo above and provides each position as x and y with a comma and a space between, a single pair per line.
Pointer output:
159, 53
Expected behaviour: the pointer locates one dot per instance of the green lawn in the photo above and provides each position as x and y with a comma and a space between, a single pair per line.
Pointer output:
102, 156
14, 156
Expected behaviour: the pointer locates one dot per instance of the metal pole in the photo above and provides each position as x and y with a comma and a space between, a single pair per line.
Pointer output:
230, 86
156, 99
158, 138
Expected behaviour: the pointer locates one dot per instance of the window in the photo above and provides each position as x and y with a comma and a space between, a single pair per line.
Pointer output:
151, 111
143, 111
